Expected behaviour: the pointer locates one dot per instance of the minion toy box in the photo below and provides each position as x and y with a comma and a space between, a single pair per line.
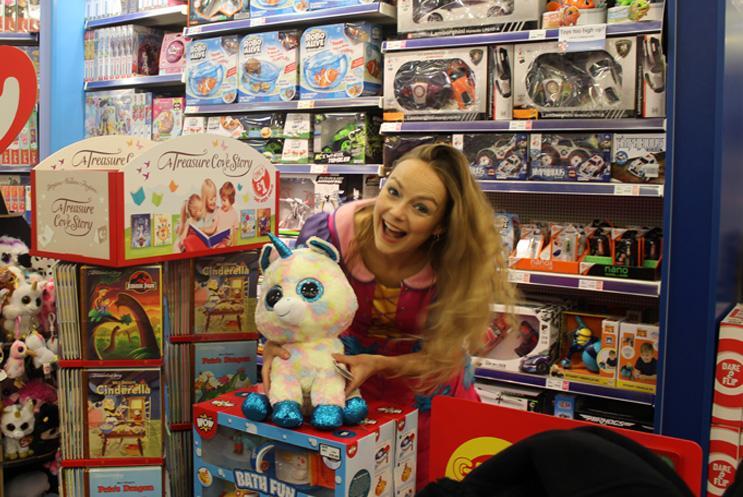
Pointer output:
341, 61
376, 458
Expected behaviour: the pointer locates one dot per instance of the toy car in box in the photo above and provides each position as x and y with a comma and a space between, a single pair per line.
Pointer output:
233, 454
396, 146
522, 339
495, 156
268, 67
211, 71
449, 17
436, 84
570, 157
340, 61
347, 138
204, 11
639, 158
595, 84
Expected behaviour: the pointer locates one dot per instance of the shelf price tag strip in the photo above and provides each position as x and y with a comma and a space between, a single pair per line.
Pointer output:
557, 384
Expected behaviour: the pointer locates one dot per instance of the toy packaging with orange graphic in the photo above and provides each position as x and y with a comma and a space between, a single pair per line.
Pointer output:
561, 13
121, 313
638, 356
231, 454
123, 413
211, 71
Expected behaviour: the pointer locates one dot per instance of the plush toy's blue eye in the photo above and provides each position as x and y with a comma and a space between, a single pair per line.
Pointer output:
310, 289
273, 296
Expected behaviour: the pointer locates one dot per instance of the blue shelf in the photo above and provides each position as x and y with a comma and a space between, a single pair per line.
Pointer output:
379, 12
328, 168
176, 15
19, 38
622, 29
566, 386
15, 169
137, 81
336, 103
546, 125
588, 283
575, 188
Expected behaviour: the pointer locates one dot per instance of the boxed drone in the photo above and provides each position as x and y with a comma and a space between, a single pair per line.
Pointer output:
638, 356
516, 397
596, 84
447, 17
268, 67
446, 84
204, 11
584, 354
341, 61
211, 71
495, 156
521, 339
239, 457
570, 157
639, 158
636, 11
396, 146
347, 138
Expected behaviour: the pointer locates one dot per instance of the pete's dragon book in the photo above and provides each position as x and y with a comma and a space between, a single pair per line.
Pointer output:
222, 367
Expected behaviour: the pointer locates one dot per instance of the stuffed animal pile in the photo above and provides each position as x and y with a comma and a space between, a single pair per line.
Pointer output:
306, 304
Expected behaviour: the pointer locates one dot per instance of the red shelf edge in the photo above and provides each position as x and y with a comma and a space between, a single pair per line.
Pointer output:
213, 337
113, 462
126, 363
180, 426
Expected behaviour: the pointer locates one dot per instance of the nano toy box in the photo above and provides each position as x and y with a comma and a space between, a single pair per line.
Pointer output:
523, 342
211, 71
261, 8
347, 138
268, 67
436, 84
596, 84
495, 156
234, 456
571, 157
451, 17
341, 61
173, 53
638, 357
639, 158
727, 408
203, 11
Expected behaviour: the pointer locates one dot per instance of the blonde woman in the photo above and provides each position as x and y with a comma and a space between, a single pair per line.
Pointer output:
426, 262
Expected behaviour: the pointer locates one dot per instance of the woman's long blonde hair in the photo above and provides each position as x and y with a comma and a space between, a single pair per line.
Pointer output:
469, 261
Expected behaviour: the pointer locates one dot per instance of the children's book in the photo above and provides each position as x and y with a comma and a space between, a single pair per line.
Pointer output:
222, 367
121, 313
225, 290
198, 240
144, 481
141, 231
163, 229
124, 413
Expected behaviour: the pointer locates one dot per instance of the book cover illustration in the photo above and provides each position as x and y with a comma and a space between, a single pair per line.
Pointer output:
145, 481
121, 313
247, 224
124, 413
142, 231
198, 240
163, 229
225, 289
222, 367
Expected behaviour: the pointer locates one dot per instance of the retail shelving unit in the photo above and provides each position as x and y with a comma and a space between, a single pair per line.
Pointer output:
19, 38
158, 81
550, 125
167, 16
372, 169
336, 103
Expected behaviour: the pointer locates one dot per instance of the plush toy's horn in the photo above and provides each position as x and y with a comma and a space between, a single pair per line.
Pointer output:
281, 247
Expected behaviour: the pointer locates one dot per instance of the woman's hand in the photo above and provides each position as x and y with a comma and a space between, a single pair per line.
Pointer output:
361, 367
271, 350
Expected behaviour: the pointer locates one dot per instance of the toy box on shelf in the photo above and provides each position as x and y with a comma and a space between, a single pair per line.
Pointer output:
396, 146
725, 453
570, 157
588, 348
728, 401
269, 67
523, 341
452, 17
205, 11
263, 126
233, 454
98, 200
436, 84
574, 13
638, 356
605, 412
598, 84
261, 8
652, 91
341, 61
514, 397
636, 11
211, 71
638, 158
167, 118
501, 82
347, 138
173, 53
495, 156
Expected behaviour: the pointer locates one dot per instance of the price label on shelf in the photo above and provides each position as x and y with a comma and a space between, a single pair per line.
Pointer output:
319, 168
557, 384
390, 127
537, 34
194, 30
595, 285
305, 104
627, 190
190, 109
395, 45
257, 21
582, 38
519, 125
519, 277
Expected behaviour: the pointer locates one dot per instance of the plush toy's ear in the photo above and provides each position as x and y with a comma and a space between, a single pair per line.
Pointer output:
268, 255
320, 245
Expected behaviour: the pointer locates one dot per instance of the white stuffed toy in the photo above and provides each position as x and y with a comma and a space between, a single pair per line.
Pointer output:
17, 425
306, 304
37, 349
24, 302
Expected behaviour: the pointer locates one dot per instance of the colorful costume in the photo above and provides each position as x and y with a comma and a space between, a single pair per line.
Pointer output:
376, 330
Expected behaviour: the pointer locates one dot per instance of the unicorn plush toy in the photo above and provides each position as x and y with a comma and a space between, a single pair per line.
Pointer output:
306, 303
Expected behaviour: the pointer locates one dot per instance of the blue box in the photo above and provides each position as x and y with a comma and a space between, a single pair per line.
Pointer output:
211, 71
262, 8
268, 67
570, 157
341, 61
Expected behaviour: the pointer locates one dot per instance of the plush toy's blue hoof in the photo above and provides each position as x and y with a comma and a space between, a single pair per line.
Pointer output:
256, 407
287, 414
327, 417
565, 363
355, 411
